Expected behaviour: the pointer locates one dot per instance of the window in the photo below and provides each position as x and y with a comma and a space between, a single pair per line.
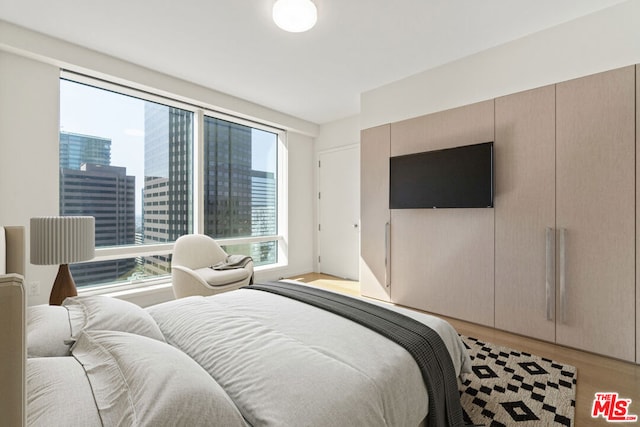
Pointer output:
127, 157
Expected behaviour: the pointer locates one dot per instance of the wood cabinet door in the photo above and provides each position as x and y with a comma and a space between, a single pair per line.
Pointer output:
525, 213
374, 212
595, 189
637, 215
443, 259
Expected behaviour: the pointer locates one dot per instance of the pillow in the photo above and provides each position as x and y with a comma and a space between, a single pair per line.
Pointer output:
48, 331
59, 394
111, 314
144, 382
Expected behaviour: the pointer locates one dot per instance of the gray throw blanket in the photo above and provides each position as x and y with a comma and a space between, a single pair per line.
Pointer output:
422, 342
232, 262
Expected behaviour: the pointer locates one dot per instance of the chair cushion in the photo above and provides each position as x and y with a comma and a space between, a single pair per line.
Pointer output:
223, 277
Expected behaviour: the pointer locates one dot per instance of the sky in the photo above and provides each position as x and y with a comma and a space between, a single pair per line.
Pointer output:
97, 112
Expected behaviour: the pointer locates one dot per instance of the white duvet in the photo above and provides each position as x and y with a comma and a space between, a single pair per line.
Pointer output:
243, 357
285, 363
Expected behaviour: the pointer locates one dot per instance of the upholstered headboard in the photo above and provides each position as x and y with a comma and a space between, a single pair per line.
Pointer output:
12, 252
12, 328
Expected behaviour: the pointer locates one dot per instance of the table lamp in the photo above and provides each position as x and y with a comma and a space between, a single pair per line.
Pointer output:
62, 240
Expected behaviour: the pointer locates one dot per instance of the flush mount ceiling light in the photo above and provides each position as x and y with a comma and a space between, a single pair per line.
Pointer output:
295, 16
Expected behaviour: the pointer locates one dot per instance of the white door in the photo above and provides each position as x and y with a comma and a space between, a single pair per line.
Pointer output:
339, 212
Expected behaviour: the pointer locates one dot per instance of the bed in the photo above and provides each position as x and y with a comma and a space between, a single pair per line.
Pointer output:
245, 357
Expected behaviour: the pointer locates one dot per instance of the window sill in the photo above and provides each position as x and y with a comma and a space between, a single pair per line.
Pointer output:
156, 291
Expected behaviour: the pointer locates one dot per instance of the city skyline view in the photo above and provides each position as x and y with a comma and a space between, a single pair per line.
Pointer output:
83, 109
129, 163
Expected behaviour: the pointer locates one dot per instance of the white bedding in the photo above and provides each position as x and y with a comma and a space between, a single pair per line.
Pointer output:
140, 381
271, 361
59, 393
284, 363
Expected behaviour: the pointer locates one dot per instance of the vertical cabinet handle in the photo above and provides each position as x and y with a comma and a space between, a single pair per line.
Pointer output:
563, 275
550, 287
387, 252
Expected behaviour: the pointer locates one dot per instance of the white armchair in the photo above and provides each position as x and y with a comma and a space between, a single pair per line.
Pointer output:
192, 272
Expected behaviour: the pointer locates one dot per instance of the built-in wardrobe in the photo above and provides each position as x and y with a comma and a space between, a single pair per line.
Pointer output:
555, 258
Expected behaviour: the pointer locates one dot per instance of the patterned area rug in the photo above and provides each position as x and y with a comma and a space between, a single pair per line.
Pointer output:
514, 388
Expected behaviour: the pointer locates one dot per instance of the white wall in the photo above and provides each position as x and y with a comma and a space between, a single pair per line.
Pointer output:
301, 247
598, 42
28, 143
338, 134
29, 131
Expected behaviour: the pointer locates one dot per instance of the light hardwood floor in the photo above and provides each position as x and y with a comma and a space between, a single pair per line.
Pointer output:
595, 373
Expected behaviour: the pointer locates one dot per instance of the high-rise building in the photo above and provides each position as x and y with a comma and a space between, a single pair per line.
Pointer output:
167, 194
108, 194
227, 188
76, 149
238, 200
264, 216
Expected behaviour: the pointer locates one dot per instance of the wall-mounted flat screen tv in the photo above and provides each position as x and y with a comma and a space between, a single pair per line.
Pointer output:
460, 177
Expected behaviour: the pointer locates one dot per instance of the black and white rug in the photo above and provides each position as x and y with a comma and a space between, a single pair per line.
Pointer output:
514, 388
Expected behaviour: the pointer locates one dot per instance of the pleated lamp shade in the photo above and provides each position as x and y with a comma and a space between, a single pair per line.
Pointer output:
62, 240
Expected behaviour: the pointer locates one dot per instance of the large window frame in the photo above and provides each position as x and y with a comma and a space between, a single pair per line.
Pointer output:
164, 249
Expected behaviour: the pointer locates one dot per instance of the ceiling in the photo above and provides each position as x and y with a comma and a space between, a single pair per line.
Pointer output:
233, 46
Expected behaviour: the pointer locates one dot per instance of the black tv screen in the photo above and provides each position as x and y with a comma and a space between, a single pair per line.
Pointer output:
460, 177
